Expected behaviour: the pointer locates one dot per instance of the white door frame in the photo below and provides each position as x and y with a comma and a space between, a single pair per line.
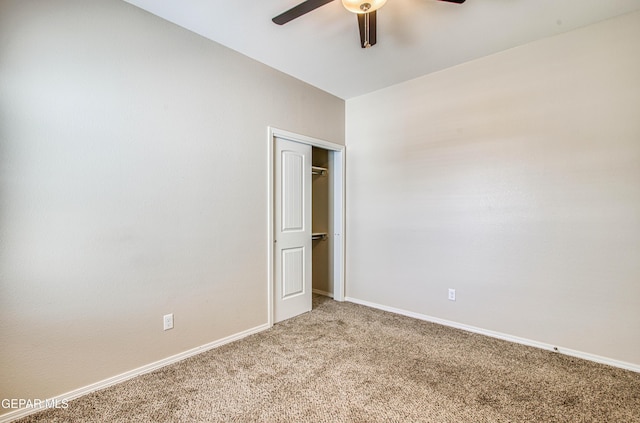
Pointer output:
337, 200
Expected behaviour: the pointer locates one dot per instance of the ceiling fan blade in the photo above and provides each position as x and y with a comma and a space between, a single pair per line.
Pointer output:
367, 26
299, 10
455, 1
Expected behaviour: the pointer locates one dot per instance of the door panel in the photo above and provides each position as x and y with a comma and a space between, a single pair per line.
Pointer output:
292, 204
293, 277
292, 229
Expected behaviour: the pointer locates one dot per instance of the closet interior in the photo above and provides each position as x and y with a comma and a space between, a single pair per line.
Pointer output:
321, 223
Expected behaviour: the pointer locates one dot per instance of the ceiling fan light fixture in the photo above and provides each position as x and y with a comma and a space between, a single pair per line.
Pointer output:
363, 6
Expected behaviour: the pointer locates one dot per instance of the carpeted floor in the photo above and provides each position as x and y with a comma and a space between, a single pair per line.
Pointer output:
347, 363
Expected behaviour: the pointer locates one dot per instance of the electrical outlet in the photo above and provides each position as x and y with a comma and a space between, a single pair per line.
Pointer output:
452, 294
168, 321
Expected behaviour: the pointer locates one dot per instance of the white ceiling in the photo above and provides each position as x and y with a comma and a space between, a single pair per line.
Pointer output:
415, 37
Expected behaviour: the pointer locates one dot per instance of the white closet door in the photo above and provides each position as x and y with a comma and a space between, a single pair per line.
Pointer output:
292, 229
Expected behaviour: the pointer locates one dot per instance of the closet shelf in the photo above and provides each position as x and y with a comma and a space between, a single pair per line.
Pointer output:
317, 170
319, 236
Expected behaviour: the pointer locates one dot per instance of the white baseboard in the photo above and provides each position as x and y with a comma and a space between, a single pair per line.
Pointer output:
503, 336
20, 413
326, 294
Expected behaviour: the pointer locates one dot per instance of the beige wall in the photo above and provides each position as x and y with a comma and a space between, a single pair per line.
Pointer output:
514, 179
133, 183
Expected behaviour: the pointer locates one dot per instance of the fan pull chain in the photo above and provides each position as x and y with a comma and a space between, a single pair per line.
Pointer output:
366, 31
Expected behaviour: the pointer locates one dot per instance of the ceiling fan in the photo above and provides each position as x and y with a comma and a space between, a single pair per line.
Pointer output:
365, 10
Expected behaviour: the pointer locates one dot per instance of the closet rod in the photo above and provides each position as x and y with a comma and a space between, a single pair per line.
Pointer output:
317, 170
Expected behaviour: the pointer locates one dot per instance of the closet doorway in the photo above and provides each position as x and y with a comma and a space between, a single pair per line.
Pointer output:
306, 249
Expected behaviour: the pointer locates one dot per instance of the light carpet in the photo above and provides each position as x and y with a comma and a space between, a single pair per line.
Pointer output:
344, 362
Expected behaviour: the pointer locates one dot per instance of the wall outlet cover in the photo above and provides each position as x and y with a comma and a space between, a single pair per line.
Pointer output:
167, 321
